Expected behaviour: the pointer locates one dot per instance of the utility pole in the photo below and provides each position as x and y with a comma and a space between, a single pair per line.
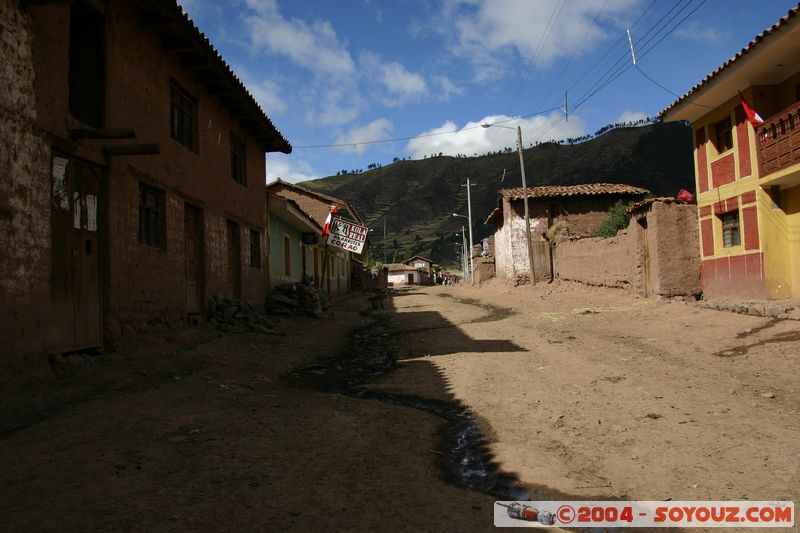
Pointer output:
464, 252
525, 202
469, 219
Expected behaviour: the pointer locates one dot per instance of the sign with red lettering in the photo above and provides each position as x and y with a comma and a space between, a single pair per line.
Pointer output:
347, 235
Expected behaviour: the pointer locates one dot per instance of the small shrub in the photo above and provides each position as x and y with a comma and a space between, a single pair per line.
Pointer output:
617, 219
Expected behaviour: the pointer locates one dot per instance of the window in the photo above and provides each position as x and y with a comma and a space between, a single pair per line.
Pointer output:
87, 88
238, 161
287, 256
730, 229
255, 248
723, 135
183, 113
151, 216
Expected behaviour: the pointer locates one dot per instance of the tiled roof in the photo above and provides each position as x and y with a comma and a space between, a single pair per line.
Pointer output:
319, 195
181, 26
744, 51
589, 189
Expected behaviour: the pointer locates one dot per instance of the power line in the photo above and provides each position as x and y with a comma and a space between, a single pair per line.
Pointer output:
421, 136
529, 69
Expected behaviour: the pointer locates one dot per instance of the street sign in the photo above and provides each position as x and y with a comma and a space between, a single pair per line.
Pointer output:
347, 235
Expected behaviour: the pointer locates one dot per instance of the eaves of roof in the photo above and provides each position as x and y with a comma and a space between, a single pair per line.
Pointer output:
169, 19
757, 42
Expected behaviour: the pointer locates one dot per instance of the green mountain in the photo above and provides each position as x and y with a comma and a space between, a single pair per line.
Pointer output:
416, 198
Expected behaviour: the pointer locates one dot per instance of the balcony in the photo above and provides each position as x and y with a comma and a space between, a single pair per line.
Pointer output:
778, 140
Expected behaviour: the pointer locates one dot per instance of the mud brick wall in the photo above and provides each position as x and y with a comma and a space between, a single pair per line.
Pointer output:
24, 199
673, 245
611, 262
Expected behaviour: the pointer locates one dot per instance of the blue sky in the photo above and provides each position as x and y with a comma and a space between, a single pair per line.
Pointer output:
351, 71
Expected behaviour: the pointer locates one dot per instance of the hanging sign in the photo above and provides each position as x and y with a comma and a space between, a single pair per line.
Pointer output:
347, 235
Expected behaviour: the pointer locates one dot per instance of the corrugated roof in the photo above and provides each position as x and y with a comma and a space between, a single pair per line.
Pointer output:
589, 189
744, 51
173, 11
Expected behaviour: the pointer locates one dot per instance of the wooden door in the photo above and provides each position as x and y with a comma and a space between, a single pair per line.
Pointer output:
193, 228
75, 280
234, 260
645, 257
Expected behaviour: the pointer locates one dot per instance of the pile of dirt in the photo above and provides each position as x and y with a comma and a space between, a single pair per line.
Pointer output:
298, 299
235, 316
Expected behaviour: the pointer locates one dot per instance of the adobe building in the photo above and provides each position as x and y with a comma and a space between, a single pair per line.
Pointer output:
747, 172
309, 256
424, 267
133, 183
579, 210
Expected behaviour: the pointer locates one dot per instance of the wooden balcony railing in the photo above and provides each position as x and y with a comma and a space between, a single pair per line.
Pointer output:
778, 141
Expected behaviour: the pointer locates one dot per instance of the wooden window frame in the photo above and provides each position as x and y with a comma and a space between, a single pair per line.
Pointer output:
731, 229
183, 117
152, 217
723, 135
287, 256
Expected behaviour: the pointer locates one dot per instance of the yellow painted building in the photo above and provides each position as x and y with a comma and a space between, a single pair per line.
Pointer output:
748, 176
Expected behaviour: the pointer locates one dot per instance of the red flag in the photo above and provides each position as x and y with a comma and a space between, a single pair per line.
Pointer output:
326, 228
752, 116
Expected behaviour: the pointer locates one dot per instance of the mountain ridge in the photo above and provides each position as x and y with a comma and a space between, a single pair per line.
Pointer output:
416, 198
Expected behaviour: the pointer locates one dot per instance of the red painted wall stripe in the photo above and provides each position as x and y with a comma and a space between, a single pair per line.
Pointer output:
749, 197
743, 142
750, 221
705, 210
723, 171
702, 159
707, 233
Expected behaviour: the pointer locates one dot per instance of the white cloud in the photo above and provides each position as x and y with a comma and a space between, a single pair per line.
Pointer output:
289, 168
473, 139
700, 32
486, 31
631, 116
375, 130
313, 46
397, 84
401, 82
447, 88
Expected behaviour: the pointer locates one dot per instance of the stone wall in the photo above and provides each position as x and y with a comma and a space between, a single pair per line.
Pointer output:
24, 199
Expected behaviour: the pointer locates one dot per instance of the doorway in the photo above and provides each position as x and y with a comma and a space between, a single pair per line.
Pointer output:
75, 279
193, 229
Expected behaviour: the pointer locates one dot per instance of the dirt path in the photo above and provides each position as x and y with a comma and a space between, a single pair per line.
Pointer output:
595, 394
557, 392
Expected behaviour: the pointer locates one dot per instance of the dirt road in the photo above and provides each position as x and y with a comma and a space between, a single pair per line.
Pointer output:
545, 392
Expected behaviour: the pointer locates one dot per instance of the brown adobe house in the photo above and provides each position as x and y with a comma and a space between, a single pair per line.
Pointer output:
425, 268
133, 186
310, 256
579, 209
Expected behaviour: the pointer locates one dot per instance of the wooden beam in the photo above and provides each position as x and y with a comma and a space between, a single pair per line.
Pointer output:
37, 3
102, 133
132, 149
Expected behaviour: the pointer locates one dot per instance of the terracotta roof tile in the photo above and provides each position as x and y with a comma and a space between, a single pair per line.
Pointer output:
588, 189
